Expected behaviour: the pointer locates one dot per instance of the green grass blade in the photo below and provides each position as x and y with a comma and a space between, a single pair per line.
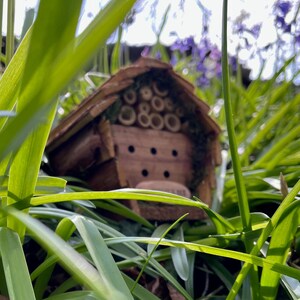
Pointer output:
139, 292
102, 258
14, 264
60, 27
221, 223
10, 80
45, 185
63, 68
279, 248
269, 125
179, 257
248, 258
116, 53
240, 186
72, 261
78, 295
10, 36
263, 237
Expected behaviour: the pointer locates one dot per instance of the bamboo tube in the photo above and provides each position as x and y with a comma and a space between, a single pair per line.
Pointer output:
146, 93
143, 120
157, 103
169, 104
127, 115
143, 107
159, 91
130, 96
156, 121
172, 122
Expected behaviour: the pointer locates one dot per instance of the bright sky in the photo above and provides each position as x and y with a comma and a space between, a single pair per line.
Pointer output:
185, 22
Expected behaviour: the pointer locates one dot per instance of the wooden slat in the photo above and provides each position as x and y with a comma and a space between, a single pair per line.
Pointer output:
167, 212
107, 176
167, 144
90, 146
140, 170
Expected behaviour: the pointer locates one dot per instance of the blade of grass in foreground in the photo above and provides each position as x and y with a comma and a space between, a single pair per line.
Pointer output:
251, 259
101, 256
71, 260
240, 186
279, 248
15, 267
60, 26
66, 65
263, 237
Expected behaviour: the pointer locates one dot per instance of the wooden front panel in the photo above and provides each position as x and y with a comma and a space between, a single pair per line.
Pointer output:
146, 154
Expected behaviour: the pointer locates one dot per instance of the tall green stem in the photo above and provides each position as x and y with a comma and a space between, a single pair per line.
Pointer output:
10, 37
240, 185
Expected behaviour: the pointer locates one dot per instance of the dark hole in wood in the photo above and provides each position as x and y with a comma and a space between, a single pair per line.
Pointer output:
153, 151
131, 149
145, 173
167, 174
174, 152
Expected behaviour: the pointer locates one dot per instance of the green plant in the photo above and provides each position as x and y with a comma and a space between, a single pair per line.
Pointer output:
91, 248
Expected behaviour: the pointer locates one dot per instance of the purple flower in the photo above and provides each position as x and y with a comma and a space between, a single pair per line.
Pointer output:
202, 81
255, 30
283, 7
183, 45
233, 63
158, 55
297, 39
146, 51
280, 23
215, 53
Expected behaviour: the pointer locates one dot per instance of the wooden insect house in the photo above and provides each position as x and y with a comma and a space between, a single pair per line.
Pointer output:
144, 128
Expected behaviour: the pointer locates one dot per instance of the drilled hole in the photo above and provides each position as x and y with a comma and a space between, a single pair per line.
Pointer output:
131, 149
153, 151
166, 174
174, 153
145, 173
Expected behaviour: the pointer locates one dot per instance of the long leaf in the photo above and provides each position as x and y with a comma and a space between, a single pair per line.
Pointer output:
72, 261
101, 256
64, 67
14, 264
278, 248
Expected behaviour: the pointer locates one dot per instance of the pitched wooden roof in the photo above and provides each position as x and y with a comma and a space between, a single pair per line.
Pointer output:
107, 94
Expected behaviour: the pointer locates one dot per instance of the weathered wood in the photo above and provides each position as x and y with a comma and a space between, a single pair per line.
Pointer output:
216, 151
204, 191
147, 154
90, 146
152, 211
107, 176
75, 122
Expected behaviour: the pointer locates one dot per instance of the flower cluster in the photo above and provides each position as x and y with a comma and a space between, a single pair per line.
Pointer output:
204, 59
281, 9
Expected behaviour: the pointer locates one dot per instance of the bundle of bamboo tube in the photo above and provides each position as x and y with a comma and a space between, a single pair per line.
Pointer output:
150, 106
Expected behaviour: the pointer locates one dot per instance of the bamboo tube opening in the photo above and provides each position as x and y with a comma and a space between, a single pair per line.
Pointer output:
157, 103
143, 107
169, 104
143, 120
127, 115
146, 93
159, 90
130, 96
172, 122
156, 121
